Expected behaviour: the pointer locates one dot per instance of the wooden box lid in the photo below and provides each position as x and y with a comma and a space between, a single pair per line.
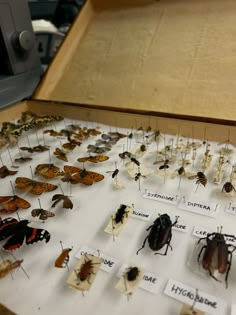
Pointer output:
171, 57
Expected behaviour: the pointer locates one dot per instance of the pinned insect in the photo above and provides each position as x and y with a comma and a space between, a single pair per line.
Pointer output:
13, 203
85, 272
160, 234
63, 259
228, 187
41, 213
67, 203
200, 178
98, 149
7, 266
48, 171
4, 172
76, 175
61, 154
130, 280
39, 148
32, 186
216, 254
93, 159
220, 169
16, 231
118, 220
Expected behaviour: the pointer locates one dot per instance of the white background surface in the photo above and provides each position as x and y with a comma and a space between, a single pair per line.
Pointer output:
46, 291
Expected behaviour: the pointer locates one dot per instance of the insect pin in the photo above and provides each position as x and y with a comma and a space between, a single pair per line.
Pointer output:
217, 256
191, 310
160, 234
84, 273
63, 259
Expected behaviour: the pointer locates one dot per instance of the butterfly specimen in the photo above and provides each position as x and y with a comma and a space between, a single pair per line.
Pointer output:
98, 149
69, 146
93, 159
16, 231
12, 203
7, 266
67, 203
39, 148
60, 154
42, 214
53, 133
4, 172
32, 186
47, 170
23, 159
76, 175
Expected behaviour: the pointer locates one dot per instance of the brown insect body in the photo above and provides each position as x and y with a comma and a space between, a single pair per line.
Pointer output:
63, 258
228, 187
217, 255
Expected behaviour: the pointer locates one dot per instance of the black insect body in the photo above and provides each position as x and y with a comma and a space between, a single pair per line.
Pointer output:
228, 187
120, 214
115, 173
132, 159
132, 273
160, 234
217, 255
201, 178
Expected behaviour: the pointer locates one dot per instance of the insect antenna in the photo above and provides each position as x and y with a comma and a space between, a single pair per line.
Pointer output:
21, 267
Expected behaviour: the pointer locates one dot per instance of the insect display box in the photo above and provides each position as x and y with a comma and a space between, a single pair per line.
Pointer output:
138, 68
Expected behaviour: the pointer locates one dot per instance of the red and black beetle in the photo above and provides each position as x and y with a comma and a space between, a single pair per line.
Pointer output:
160, 234
217, 255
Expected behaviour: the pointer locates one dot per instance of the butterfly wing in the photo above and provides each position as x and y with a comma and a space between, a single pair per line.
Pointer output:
57, 198
47, 170
7, 227
67, 203
71, 169
40, 187
87, 177
23, 159
4, 172
60, 154
34, 235
15, 241
42, 214
24, 183
40, 148
13, 203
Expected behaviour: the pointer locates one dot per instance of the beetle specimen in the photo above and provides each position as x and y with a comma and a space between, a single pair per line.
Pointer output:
132, 273
86, 270
120, 214
217, 255
63, 259
160, 234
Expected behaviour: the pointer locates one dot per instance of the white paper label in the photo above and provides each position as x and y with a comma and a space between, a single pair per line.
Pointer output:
201, 232
150, 282
204, 302
141, 214
231, 208
180, 226
108, 263
163, 197
233, 309
199, 207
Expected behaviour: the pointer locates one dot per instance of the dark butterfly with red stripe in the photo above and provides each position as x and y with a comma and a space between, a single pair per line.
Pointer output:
17, 231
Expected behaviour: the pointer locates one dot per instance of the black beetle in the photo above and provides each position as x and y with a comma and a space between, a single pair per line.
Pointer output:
132, 273
120, 214
160, 234
217, 255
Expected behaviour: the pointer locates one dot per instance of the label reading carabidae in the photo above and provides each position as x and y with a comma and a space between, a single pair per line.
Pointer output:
160, 234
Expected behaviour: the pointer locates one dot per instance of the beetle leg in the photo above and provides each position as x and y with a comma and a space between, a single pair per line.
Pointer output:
142, 245
211, 275
229, 266
199, 255
167, 246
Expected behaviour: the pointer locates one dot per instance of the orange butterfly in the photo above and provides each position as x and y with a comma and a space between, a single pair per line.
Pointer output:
13, 203
48, 170
94, 159
76, 175
60, 154
32, 186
